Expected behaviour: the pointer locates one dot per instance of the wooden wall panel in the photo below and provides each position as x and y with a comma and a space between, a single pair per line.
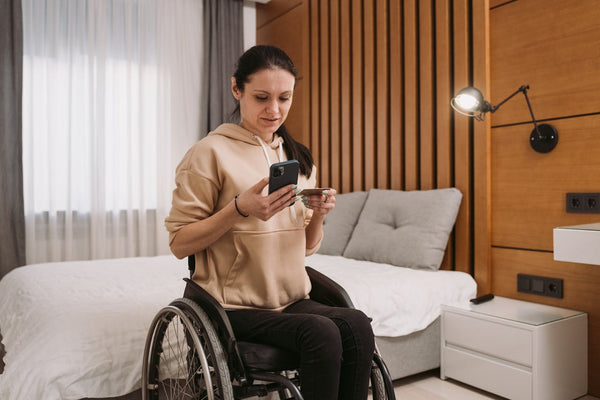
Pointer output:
334, 76
411, 118
382, 106
324, 90
396, 51
345, 99
482, 227
266, 13
356, 38
529, 188
462, 137
426, 96
280, 32
552, 45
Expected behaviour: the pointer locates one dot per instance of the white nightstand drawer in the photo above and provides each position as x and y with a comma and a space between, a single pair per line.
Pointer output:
505, 380
491, 338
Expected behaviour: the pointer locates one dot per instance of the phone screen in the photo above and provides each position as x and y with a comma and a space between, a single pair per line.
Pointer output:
282, 174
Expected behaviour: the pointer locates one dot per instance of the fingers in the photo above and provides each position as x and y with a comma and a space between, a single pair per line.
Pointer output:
321, 204
254, 202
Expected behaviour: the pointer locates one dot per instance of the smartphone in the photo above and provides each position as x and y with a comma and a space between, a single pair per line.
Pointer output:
282, 174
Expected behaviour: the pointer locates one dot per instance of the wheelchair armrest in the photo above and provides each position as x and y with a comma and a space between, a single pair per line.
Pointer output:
327, 291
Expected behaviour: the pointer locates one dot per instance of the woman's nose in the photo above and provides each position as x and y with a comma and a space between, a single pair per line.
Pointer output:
272, 105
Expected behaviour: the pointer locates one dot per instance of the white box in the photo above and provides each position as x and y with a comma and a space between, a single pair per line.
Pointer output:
578, 243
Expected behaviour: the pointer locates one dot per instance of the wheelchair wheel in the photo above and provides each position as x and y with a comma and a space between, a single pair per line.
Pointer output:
183, 358
381, 382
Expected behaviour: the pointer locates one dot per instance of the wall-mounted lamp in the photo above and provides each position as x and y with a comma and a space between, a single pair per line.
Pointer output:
470, 102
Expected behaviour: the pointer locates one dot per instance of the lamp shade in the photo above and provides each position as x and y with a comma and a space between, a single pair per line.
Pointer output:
469, 99
470, 102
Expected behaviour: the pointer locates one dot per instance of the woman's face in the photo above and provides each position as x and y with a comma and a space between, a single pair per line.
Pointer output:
265, 101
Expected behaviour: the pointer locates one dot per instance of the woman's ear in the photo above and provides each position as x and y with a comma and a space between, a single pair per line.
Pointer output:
234, 89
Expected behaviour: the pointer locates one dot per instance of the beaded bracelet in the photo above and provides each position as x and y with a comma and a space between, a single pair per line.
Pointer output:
236, 207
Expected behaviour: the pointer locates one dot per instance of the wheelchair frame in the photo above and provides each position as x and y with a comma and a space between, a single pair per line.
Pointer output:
211, 346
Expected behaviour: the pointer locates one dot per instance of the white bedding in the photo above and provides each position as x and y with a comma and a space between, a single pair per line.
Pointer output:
399, 300
77, 329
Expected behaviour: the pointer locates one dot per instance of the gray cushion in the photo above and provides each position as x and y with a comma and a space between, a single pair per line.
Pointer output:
407, 229
340, 222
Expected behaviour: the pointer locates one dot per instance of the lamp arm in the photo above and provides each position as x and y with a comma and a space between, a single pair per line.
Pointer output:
521, 89
540, 136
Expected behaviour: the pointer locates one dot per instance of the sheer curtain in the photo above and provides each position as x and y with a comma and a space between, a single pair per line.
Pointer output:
111, 101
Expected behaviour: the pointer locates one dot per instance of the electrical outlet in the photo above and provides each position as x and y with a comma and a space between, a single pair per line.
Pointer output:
540, 285
583, 203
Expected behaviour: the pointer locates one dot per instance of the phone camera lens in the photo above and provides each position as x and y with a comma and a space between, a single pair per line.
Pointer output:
278, 171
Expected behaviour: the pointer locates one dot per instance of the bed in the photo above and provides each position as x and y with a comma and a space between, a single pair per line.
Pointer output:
76, 330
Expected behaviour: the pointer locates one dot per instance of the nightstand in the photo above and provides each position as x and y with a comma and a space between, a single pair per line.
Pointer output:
516, 349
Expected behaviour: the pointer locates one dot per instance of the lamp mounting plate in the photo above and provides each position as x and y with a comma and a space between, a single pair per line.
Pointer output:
543, 140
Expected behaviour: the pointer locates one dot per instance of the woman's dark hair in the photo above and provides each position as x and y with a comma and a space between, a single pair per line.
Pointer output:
262, 57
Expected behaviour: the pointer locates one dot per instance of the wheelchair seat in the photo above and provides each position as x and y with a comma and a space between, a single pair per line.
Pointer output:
262, 357
209, 363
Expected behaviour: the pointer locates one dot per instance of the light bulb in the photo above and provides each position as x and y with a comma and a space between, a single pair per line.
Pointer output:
467, 102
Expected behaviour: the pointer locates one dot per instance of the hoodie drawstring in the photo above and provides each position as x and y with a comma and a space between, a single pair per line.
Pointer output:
264, 147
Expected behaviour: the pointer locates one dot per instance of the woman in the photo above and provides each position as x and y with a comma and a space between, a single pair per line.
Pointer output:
250, 247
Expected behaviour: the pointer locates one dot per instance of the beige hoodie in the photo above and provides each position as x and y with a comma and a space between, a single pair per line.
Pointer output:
257, 264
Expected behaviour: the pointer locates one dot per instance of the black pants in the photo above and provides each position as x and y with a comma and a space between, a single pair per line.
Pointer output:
335, 344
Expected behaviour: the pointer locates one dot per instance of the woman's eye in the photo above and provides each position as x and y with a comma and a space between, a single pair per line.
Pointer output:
284, 98
261, 98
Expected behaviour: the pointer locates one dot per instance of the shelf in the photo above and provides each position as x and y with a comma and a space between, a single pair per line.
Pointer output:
578, 243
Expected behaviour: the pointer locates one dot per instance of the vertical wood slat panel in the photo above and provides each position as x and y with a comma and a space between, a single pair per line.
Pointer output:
426, 100
481, 148
315, 116
306, 74
396, 98
346, 123
462, 177
381, 76
325, 159
334, 77
444, 129
369, 93
382, 156
443, 126
357, 94
411, 119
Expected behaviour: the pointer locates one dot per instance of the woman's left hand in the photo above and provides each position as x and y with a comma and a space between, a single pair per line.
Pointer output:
321, 204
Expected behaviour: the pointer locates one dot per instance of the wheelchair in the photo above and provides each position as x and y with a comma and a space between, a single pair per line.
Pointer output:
192, 353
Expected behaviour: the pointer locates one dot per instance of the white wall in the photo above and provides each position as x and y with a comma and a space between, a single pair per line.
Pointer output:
249, 24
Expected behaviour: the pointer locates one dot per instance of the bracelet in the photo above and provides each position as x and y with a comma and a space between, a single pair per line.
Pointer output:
236, 207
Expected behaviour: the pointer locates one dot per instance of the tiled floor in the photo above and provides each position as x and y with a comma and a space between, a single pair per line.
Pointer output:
429, 386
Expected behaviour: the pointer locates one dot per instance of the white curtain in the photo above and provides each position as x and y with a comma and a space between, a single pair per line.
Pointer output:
111, 101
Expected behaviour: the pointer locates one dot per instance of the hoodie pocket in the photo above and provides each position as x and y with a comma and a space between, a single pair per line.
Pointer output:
268, 271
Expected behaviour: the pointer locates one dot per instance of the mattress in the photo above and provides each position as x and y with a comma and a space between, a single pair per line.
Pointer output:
399, 300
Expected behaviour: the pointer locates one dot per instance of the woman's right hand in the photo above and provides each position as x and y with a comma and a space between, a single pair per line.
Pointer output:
252, 202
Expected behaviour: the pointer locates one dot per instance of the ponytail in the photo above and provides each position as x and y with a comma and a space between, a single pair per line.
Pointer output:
297, 151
